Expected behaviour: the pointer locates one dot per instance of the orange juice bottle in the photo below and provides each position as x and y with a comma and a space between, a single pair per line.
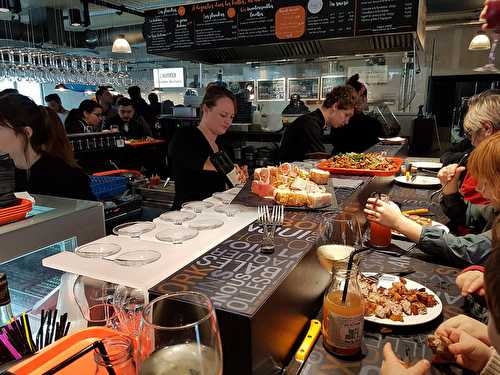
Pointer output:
343, 319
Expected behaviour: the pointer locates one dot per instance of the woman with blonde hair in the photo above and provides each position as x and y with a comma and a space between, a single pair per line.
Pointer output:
484, 165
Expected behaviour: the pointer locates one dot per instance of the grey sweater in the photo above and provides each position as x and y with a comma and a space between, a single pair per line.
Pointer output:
463, 250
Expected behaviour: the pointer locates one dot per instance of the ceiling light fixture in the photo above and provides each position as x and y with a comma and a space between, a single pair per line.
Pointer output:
75, 18
481, 42
121, 45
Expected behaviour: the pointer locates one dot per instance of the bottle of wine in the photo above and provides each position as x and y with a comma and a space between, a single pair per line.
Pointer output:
224, 165
5, 309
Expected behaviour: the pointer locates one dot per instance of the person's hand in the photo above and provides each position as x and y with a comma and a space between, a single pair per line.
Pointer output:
392, 365
467, 324
384, 213
471, 282
449, 177
469, 352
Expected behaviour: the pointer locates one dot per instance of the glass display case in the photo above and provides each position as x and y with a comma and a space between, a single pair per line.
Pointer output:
55, 225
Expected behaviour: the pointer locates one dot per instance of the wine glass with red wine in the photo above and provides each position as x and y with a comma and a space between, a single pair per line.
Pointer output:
493, 21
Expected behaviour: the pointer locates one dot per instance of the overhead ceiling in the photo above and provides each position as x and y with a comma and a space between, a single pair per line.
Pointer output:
104, 17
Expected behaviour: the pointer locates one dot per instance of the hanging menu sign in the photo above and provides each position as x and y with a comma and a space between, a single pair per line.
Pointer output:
386, 16
227, 23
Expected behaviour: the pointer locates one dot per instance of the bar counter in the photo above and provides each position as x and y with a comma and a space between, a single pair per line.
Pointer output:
264, 302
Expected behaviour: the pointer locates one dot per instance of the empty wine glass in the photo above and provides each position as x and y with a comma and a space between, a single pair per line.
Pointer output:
180, 335
95, 300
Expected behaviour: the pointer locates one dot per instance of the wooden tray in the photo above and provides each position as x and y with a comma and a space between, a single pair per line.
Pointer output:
367, 172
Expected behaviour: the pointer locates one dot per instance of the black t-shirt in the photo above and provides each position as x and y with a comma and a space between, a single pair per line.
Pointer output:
52, 176
188, 151
137, 128
360, 133
303, 136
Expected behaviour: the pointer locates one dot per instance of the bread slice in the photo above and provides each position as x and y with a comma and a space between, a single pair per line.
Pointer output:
319, 176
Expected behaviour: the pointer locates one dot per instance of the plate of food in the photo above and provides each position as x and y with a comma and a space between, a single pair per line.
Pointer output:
291, 186
397, 301
370, 164
423, 221
418, 181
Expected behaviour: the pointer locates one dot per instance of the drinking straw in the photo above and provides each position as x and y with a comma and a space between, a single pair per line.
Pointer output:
9, 346
53, 326
47, 330
81, 353
105, 357
27, 331
349, 268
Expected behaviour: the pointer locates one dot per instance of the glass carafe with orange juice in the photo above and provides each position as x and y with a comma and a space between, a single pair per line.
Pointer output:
343, 318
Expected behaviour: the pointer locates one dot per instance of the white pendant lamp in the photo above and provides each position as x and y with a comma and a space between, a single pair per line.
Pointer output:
481, 42
121, 45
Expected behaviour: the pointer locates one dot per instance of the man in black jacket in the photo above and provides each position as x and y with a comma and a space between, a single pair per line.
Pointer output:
304, 135
128, 122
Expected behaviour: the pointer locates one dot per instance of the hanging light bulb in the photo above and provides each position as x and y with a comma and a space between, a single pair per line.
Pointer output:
4, 6
121, 45
7, 6
481, 42
60, 87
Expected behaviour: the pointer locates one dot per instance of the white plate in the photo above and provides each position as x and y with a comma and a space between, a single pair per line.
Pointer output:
423, 181
177, 217
197, 206
206, 224
427, 165
434, 224
393, 140
176, 235
134, 228
409, 320
224, 197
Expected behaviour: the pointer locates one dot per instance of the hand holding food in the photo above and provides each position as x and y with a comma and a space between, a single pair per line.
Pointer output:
392, 365
468, 351
465, 323
471, 282
449, 177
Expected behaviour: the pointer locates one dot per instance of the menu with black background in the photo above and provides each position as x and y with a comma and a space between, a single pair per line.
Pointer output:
253, 22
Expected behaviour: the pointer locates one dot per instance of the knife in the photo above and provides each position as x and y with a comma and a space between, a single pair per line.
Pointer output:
305, 348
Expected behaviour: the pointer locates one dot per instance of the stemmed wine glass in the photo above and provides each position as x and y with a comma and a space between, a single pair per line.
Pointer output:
492, 17
340, 235
180, 335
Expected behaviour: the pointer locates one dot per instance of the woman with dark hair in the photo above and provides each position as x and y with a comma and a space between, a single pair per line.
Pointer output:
189, 152
362, 131
27, 134
86, 118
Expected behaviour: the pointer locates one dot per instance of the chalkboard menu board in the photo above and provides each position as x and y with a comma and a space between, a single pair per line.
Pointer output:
329, 82
307, 88
226, 23
271, 90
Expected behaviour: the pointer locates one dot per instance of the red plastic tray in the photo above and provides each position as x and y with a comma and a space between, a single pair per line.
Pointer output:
15, 213
144, 143
64, 348
367, 172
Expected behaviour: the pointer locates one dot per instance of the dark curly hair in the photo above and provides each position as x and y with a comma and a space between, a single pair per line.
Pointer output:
344, 96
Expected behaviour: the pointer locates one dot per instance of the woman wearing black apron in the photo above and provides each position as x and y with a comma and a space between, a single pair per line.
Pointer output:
190, 150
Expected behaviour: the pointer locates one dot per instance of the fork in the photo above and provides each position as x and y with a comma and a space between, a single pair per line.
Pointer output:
461, 163
269, 221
